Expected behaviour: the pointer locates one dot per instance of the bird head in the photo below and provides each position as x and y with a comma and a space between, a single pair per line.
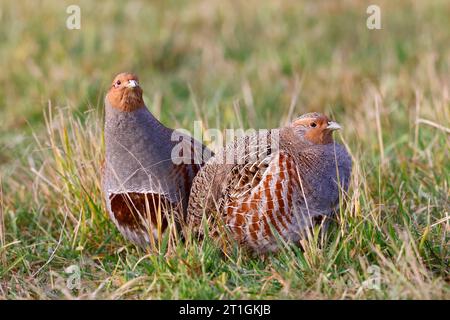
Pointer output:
125, 93
315, 127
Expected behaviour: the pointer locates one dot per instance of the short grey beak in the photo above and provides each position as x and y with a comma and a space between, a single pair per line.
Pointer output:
333, 125
132, 84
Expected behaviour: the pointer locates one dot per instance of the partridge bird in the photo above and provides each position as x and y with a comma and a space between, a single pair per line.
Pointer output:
276, 183
145, 184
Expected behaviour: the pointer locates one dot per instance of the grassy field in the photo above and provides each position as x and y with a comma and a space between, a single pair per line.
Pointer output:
228, 63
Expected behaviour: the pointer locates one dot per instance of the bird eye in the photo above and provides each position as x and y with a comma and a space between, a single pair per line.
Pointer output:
117, 84
313, 124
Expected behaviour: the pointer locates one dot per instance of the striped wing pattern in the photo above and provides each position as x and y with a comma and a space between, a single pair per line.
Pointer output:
266, 205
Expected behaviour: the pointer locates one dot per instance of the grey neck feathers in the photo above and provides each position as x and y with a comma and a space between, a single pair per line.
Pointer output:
318, 163
140, 124
138, 151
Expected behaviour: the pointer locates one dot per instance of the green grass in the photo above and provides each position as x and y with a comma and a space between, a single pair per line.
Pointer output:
195, 60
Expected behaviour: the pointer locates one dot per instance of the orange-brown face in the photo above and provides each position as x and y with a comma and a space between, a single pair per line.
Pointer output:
125, 93
316, 128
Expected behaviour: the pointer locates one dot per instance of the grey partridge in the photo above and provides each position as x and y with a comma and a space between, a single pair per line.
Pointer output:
145, 182
272, 184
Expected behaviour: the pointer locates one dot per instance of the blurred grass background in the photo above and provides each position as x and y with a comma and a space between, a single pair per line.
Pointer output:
195, 59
